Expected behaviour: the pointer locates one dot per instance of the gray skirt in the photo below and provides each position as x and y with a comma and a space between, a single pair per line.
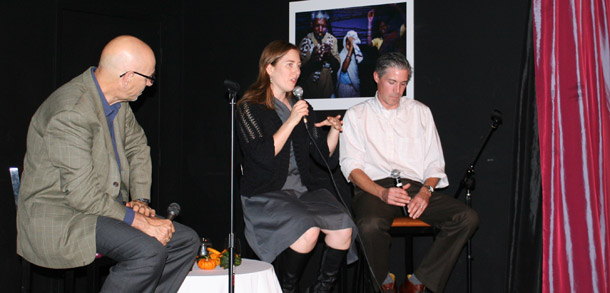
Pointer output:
275, 220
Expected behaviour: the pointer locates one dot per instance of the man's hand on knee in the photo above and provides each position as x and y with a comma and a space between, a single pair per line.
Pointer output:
418, 205
161, 229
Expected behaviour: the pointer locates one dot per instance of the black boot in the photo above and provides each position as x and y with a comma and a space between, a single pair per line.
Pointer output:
332, 259
290, 265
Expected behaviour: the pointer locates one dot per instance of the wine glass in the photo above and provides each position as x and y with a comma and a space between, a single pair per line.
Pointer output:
236, 245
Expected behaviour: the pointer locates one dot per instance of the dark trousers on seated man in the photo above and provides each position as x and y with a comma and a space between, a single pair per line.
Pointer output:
455, 222
143, 263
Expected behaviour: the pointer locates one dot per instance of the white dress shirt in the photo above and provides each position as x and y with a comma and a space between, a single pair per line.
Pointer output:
377, 140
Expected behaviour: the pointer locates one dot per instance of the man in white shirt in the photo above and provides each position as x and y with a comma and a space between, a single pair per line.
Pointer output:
392, 132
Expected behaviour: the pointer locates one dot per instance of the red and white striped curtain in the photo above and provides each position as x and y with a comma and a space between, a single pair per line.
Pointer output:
572, 57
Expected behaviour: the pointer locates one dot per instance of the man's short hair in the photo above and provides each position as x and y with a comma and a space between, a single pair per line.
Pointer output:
392, 60
319, 15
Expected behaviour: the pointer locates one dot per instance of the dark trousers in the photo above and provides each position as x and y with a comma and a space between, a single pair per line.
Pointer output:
143, 263
455, 222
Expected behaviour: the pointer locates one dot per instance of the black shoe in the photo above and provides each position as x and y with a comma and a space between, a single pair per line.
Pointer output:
290, 265
332, 259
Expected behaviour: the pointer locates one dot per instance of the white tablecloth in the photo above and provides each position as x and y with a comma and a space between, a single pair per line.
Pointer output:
250, 276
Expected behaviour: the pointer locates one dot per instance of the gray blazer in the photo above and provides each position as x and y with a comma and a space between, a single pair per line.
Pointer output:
71, 175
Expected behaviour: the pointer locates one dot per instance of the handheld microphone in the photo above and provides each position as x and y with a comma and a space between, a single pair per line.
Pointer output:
173, 210
396, 175
232, 86
298, 92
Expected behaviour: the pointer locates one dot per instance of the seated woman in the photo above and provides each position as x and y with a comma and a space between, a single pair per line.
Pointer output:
285, 209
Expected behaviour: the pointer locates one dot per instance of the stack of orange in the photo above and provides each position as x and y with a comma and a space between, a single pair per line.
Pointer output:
215, 254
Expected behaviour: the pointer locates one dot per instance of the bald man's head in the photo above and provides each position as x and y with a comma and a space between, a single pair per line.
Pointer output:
126, 53
125, 63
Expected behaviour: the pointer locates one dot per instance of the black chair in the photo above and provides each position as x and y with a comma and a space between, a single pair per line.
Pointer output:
26, 267
93, 270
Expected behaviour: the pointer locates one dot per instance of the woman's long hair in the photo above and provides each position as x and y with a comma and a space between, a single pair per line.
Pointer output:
260, 91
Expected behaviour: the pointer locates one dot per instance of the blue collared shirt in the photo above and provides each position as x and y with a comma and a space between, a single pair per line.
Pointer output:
111, 112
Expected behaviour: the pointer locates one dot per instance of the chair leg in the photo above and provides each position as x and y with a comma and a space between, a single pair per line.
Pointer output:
69, 281
26, 276
93, 279
408, 254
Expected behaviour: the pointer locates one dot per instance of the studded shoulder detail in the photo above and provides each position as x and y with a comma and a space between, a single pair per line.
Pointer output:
249, 128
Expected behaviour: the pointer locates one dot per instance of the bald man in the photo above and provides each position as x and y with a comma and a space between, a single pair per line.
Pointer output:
87, 176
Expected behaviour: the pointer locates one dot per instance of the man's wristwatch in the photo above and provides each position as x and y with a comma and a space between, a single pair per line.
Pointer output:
430, 188
144, 200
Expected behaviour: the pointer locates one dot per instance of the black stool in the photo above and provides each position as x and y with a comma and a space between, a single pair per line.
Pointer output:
408, 228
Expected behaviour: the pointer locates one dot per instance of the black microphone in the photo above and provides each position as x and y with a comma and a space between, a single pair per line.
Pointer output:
396, 175
231, 86
298, 92
173, 210
496, 118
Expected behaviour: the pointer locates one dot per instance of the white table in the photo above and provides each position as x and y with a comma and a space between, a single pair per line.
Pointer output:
250, 276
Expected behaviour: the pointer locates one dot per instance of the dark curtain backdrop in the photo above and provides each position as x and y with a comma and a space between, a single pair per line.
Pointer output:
468, 62
525, 257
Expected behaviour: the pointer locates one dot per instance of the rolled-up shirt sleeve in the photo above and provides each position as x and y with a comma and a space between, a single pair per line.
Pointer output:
434, 162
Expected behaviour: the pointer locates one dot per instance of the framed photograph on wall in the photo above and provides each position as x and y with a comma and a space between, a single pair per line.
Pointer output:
340, 41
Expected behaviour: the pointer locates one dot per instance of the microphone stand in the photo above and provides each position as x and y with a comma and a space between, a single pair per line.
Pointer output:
231, 241
468, 182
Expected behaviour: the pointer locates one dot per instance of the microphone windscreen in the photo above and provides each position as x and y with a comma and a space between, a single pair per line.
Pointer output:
173, 210
298, 92
395, 174
496, 116
232, 85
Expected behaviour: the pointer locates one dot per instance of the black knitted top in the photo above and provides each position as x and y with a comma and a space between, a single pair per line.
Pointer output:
264, 172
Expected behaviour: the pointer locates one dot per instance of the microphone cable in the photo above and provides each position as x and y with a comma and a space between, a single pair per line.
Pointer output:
332, 179
298, 93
